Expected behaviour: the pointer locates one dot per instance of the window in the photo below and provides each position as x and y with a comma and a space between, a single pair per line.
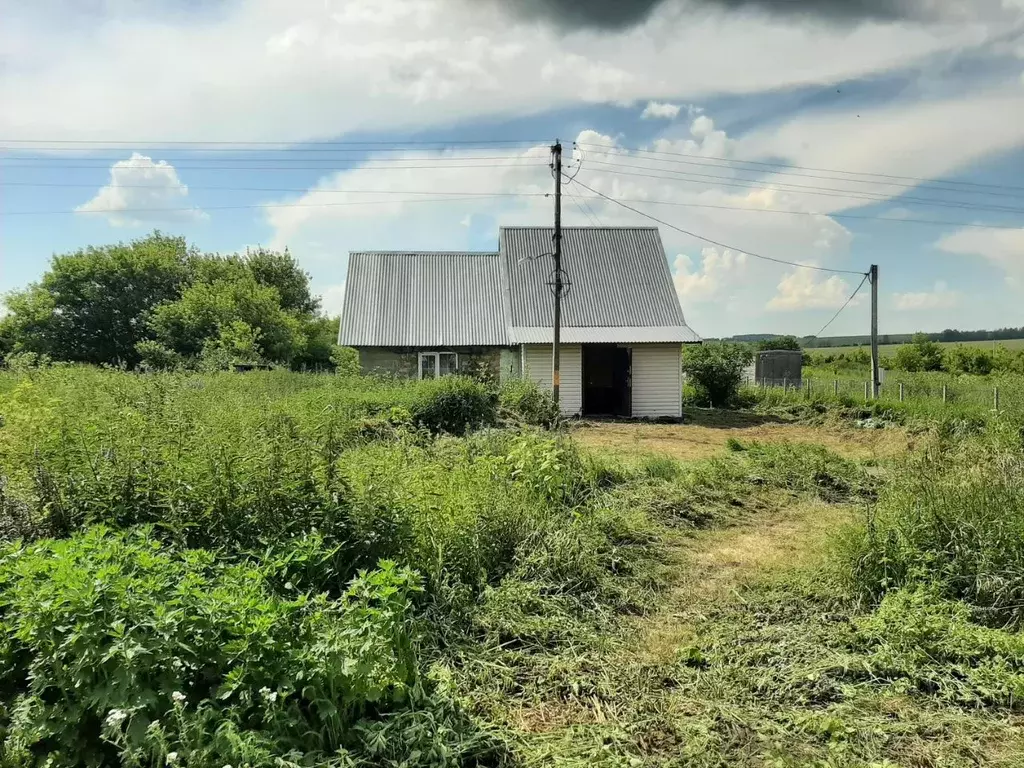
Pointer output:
434, 364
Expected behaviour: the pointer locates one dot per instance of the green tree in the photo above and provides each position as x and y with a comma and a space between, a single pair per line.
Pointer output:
94, 305
715, 369
239, 316
969, 360
779, 342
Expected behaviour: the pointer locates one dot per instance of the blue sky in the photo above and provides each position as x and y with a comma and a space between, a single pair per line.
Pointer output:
899, 143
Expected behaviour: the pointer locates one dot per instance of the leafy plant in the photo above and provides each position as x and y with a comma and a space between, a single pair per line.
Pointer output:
715, 369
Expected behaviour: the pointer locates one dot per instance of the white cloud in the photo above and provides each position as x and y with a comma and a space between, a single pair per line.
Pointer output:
925, 139
141, 190
718, 269
1004, 248
940, 297
450, 60
806, 289
660, 110
332, 299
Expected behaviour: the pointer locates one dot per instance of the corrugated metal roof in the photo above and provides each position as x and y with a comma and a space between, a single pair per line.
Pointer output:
410, 299
620, 277
606, 335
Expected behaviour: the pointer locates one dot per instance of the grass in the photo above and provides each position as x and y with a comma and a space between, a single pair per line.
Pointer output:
287, 569
888, 349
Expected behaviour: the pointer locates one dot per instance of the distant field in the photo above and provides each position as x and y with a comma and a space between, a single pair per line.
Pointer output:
890, 348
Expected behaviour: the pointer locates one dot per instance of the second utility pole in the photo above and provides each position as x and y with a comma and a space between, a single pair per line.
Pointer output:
873, 276
556, 165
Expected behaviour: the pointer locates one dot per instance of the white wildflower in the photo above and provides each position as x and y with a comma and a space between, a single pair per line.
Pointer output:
115, 717
272, 697
178, 697
172, 758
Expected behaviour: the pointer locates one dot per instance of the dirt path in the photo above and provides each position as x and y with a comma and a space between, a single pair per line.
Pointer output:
713, 564
711, 434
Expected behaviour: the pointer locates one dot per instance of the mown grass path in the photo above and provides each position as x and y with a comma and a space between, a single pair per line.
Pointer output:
748, 663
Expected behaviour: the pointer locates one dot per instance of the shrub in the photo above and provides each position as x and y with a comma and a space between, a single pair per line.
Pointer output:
119, 651
716, 371
521, 400
921, 354
155, 356
962, 359
452, 404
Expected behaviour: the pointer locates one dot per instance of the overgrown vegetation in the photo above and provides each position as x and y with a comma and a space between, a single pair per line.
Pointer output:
286, 569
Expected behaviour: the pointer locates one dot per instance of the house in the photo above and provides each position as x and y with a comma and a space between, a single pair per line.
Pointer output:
417, 314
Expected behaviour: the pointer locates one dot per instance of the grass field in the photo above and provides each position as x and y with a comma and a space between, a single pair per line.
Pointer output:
888, 349
277, 569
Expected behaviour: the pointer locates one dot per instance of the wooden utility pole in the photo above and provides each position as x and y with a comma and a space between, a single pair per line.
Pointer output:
873, 276
556, 379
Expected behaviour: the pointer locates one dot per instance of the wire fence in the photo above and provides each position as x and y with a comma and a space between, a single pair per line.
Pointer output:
1001, 395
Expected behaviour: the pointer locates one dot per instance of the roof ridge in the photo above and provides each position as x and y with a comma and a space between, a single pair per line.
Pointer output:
551, 226
424, 253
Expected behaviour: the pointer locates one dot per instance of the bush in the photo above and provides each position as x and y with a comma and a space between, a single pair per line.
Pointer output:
921, 354
452, 404
522, 401
715, 369
968, 360
119, 651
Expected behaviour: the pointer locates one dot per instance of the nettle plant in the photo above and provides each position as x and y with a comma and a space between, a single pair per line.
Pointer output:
117, 650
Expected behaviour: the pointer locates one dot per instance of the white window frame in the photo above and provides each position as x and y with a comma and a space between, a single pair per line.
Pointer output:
437, 363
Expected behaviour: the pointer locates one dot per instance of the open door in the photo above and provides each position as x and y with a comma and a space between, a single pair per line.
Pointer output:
606, 380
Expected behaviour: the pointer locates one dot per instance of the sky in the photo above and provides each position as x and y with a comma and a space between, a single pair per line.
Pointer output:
834, 134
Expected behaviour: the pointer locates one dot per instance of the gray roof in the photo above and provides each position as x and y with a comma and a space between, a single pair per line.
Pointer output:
619, 277
406, 299
621, 292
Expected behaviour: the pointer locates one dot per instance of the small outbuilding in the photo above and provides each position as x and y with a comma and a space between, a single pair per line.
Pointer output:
428, 314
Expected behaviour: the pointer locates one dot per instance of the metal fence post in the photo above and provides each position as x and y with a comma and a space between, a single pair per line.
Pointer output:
785, 385
867, 386
943, 393
995, 397
901, 391
835, 387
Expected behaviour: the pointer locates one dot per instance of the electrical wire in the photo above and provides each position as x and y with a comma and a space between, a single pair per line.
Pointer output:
797, 189
845, 305
197, 209
585, 200
394, 142
715, 242
926, 186
764, 164
128, 162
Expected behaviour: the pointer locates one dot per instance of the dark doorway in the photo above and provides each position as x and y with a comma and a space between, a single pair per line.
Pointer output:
606, 386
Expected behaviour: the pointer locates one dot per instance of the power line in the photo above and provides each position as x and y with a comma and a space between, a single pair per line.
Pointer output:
583, 199
715, 242
918, 185
576, 202
798, 189
271, 205
128, 162
391, 142
845, 305
811, 168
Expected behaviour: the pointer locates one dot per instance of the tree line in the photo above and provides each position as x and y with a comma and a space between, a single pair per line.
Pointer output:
158, 302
